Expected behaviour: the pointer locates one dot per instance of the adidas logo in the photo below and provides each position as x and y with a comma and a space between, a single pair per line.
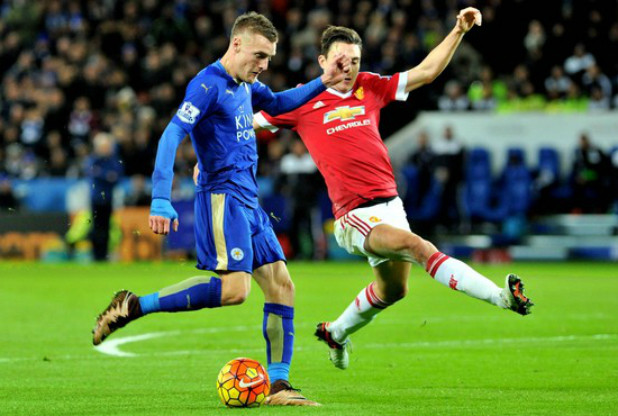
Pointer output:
319, 104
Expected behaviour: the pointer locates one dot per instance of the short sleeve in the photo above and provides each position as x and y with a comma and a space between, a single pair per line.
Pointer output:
273, 123
387, 88
198, 102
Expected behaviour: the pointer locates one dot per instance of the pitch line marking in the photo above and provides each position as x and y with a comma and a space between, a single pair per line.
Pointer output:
111, 347
115, 351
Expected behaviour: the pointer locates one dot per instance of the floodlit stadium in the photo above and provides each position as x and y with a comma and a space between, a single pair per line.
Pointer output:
141, 139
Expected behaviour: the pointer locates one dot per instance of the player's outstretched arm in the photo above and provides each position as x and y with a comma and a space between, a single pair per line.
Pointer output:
162, 214
441, 55
285, 101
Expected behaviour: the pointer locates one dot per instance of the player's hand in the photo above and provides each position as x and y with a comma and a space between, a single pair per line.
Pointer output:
161, 215
467, 18
196, 173
337, 70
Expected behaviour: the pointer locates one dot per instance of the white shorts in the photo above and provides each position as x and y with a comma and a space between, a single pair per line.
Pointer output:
352, 229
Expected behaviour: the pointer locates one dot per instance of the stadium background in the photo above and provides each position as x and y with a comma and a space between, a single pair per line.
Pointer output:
436, 352
71, 69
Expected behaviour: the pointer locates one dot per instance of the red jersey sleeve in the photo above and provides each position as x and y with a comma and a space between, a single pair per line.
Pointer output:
386, 88
265, 120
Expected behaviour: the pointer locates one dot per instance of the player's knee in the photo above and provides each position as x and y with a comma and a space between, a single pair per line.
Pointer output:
238, 297
287, 287
283, 290
235, 288
413, 245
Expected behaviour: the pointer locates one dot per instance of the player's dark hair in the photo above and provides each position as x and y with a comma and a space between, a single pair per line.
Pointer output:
256, 23
334, 34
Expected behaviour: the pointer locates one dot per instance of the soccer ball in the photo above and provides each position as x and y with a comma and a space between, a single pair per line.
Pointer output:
243, 382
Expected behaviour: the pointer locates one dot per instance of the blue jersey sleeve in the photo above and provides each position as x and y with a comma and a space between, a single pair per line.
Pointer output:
200, 98
278, 103
163, 174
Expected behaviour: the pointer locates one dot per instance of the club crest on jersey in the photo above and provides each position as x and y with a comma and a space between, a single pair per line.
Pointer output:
188, 112
344, 113
360, 93
237, 254
375, 219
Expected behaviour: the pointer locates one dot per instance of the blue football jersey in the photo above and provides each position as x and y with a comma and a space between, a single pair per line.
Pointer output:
217, 113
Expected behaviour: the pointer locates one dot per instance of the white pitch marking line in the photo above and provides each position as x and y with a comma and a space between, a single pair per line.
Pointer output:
421, 344
111, 347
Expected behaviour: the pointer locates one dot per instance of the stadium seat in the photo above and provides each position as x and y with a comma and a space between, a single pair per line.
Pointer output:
549, 164
516, 190
516, 155
478, 190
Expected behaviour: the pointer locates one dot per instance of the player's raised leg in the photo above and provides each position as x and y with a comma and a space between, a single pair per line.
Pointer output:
388, 241
391, 284
192, 294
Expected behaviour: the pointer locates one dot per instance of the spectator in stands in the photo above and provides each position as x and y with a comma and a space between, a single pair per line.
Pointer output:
557, 84
300, 182
598, 101
105, 171
487, 101
449, 164
453, 98
535, 38
590, 178
8, 201
576, 64
81, 120
593, 79
423, 158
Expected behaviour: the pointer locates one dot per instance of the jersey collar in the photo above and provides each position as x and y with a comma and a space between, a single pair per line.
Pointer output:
221, 69
340, 94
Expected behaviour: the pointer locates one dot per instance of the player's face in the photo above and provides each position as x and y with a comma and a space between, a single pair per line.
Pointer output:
254, 55
351, 51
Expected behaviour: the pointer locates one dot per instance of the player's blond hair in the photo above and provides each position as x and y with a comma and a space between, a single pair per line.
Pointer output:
334, 34
255, 23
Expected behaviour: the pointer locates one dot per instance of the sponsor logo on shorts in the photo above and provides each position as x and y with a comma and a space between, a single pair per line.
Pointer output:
375, 219
237, 254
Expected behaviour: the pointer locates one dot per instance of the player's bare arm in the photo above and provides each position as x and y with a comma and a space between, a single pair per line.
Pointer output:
441, 55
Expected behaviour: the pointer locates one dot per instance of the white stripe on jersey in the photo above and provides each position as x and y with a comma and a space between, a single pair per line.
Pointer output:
262, 122
401, 94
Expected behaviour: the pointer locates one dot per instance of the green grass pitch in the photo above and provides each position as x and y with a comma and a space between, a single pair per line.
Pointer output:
437, 352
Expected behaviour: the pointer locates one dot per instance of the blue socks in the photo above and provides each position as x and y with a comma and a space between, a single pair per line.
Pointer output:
192, 294
278, 330
202, 292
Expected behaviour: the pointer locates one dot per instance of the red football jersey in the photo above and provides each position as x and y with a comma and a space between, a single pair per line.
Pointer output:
341, 133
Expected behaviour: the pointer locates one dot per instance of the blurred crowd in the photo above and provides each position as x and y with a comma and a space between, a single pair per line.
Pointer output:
72, 68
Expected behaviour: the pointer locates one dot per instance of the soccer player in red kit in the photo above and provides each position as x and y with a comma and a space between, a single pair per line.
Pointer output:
340, 129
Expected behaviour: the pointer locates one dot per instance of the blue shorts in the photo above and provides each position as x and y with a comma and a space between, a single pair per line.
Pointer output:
230, 236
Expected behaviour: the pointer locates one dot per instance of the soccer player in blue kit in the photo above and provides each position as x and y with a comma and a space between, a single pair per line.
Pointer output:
234, 236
